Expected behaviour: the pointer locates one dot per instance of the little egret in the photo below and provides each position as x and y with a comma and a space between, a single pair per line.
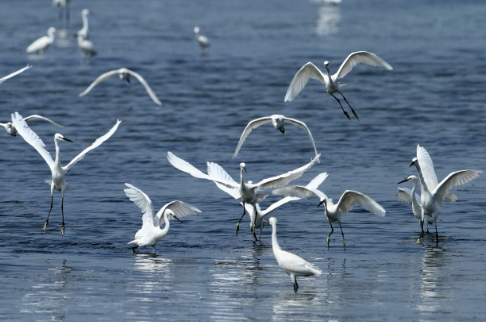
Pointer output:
3, 79
42, 43
432, 198
150, 233
203, 41
333, 211
86, 47
248, 192
83, 32
58, 181
278, 122
309, 70
10, 128
124, 74
291, 264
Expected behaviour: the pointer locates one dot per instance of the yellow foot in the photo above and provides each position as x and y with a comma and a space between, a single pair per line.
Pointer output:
418, 241
62, 230
328, 240
344, 242
237, 228
45, 226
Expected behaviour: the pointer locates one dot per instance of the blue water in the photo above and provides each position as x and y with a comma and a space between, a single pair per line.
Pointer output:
433, 97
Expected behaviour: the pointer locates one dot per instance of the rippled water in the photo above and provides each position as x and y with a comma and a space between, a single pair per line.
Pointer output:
433, 97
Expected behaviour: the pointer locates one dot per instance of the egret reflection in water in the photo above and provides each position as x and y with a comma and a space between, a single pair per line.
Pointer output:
328, 20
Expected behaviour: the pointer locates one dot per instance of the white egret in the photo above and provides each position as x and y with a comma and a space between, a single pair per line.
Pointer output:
58, 172
203, 41
150, 233
3, 79
124, 74
291, 264
278, 122
10, 128
309, 70
83, 32
86, 47
333, 211
42, 43
432, 197
248, 191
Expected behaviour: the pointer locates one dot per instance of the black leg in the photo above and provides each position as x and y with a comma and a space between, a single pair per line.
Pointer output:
62, 210
329, 237
296, 285
422, 227
133, 249
342, 233
47, 220
436, 233
345, 113
238, 223
355, 115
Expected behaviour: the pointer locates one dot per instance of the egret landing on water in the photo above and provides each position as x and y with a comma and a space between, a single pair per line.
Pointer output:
309, 71
10, 128
150, 233
278, 122
42, 43
3, 79
124, 74
291, 264
333, 211
433, 193
58, 172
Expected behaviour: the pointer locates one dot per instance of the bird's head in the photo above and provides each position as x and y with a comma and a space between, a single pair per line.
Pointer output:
61, 138
326, 63
323, 201
272, 221
196, 30
85, 12
243, 166
51, 31
410, 178
170, 214
414, 160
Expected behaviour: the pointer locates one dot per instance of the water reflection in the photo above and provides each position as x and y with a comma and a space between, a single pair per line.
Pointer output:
290, 303
328, 21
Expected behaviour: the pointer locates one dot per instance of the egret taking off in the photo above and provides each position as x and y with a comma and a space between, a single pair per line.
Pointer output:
278, 122
309, 71
3, 79
150, 233
42, 43
333, 211
124, 74
58, 172
203, 41
291, 264
10, 128
433, 194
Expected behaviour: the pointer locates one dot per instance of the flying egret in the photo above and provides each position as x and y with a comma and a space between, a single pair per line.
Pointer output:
248, 192
42, 43
10, 128
58, 172
291, 264
3, 79
278, 122
83, 32
309, 70
257, 220
150, 233
86, 47
203, 41
432, 198
124, 74
334, 211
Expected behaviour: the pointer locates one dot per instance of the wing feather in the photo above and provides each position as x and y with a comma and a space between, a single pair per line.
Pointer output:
360, 57
35, 116
303, 126
250, 127
3, 79
453, 179
350, 197
179, 208
301, 79
147, 87
304, 192
143, 202
101, 78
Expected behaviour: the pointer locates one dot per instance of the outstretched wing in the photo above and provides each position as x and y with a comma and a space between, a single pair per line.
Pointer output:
405, 195
283, 179
303, 126
179, 208
301, 79
101, 78
219, 174
96, 144
304, 192
143, 202
453, 179
350, 197
277, 204
250, 127
147, 87
42, 118
3, 79
360, 57
30, 137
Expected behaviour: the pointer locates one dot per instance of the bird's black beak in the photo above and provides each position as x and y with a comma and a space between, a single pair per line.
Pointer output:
65, 139
282, 130
412, 163
403, 181
320, 203
177, 219
245, 170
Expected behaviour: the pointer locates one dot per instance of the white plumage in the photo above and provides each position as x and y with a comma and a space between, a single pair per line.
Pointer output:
10, 128
3, 79
203, 41
42, 43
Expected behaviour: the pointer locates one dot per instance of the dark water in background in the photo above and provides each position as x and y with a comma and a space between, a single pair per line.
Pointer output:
434, 96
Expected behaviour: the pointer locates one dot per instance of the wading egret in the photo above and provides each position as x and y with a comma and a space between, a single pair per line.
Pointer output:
42, 43
124, 74
58, 172
291, 264
203, 41
10, 128
86, 47
310, 70
83, 32
150, 233
3, 79
278, 122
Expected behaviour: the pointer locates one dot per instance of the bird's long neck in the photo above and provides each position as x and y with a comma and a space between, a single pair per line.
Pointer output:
57, 161
167, 224
241, 177
415, 183
85, 21
421, 177
275, 245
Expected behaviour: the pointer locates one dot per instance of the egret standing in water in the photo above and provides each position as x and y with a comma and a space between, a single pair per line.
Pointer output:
42, 43
333, 211
86, 47
310, 70
10, 128
84, 32
3, 79
433, 194
291, 264
58, 172
150, 233
203, 41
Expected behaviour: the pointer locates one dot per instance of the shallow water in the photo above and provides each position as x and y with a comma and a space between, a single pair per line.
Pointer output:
433, 97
